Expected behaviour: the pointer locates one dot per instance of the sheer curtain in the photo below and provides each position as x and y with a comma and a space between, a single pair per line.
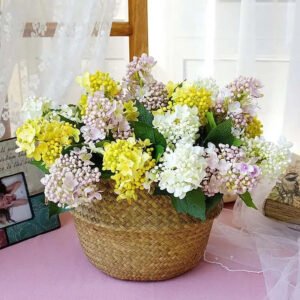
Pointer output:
284, 117
227, 38
252, 242
44, 45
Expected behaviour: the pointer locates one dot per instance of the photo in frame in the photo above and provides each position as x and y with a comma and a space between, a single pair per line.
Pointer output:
15, 205
24, 214
41, 223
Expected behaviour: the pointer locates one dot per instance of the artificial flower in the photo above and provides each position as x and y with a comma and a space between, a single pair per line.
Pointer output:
36, 107
254, 128
130, 111
180, 170
273, 159
129, 160
181, 124
44, 140
99, 81
72, 181
194, 96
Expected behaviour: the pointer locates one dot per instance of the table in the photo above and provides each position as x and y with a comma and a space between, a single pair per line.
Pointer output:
53, 267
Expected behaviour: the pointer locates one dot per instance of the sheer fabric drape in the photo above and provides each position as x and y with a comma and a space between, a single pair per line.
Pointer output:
44, 45
251, 242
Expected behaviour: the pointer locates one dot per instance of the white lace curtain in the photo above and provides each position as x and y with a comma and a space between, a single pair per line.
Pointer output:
44, 45
254, 243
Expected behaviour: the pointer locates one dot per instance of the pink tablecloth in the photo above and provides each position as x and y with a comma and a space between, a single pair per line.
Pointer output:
52, 266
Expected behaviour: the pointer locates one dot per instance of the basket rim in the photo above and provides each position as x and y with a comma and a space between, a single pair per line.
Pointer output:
180, 226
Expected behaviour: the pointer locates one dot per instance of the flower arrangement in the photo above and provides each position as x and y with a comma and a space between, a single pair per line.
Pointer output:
193, 141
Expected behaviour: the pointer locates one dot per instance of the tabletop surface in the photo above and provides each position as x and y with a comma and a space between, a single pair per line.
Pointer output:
53, 266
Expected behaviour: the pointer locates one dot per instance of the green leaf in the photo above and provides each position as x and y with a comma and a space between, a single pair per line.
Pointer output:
211, 120
212, 202
64, 119
221, 134
158, 152
193, 204
40, 165
55, 210
237, 142
159, 138
180, 205
144, 131
246, 197
106, 174
102, 143
144, 115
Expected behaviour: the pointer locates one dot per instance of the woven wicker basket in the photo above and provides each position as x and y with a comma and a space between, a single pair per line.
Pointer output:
147, 240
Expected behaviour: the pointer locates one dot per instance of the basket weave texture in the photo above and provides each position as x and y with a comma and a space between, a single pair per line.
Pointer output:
146, 241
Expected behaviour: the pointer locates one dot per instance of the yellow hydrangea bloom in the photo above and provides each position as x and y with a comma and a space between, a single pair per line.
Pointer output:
83, 104
129, 160
26, 136
99, 81
44, 140
130, 111
193, 95
254, 128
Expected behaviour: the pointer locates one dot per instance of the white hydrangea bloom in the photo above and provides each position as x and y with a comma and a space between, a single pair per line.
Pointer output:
181, 124
34, 107
181, 170
273, 159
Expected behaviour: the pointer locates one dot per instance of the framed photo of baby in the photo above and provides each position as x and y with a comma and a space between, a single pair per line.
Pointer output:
15, 206
23, 213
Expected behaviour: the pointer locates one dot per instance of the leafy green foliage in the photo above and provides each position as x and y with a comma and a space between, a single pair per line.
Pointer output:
211, 121
106, 174
55, 210
144, 115
144, 131
102, 143
64, 119
221, 134
180, 205
237, 142
158, 152
246, 197
212, 202
193, 204
40, 165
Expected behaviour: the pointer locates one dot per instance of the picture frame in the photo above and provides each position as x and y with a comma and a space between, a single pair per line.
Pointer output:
11, 164
40, 224
283, 203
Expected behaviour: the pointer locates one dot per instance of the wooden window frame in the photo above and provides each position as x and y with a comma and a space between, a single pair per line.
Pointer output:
136, 28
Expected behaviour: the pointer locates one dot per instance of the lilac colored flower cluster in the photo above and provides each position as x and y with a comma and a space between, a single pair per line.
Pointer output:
141, 85
104, 115
227, 172
153, 96
72, 180
245, 86
239, 120
140, 67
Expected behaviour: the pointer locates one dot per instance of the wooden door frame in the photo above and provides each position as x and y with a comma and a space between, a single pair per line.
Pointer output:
136, 28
